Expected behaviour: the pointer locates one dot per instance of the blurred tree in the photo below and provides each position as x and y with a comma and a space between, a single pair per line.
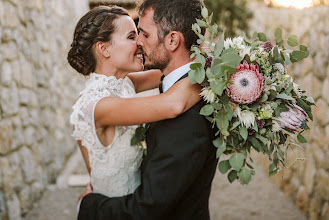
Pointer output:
232, 15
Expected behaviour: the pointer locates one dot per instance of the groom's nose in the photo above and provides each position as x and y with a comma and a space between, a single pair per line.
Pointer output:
139, 41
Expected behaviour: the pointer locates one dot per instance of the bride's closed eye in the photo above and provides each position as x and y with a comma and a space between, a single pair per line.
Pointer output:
132, 37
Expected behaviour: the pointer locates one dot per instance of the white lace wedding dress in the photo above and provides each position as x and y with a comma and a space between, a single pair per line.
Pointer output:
114, 168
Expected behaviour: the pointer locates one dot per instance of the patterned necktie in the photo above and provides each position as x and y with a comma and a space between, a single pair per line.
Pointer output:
161, 84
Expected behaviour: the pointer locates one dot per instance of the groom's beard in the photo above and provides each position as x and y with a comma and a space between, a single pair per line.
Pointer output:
157, 59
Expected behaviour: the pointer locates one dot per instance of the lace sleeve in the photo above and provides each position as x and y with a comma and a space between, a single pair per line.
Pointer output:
82, 119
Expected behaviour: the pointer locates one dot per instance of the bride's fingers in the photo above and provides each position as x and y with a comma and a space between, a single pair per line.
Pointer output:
89, 186
87, 190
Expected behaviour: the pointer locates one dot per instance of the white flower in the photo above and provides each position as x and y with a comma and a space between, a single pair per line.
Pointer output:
275, 126
239, 42
237, 111
279, 67
208, 95
296, 90
253, 55
247, 118
243, 52
228, 43
144, 146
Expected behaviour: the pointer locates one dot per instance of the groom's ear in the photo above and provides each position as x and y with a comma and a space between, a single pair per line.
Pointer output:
173, 40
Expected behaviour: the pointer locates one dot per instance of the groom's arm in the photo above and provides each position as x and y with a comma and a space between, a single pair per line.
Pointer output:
178, 158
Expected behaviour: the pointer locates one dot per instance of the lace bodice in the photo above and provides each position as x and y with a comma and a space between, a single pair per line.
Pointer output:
114, 168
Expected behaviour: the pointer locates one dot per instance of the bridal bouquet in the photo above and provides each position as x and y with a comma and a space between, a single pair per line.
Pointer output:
250, 97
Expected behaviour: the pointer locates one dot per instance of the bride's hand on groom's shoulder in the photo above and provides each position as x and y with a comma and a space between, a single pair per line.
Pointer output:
88, 189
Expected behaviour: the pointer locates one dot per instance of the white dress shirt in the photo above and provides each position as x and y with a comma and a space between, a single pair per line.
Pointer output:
175, 75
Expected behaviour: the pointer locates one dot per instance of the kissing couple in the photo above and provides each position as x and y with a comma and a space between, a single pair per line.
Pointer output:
173, 179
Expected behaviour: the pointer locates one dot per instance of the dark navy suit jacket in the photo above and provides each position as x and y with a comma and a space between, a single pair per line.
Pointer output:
177, 173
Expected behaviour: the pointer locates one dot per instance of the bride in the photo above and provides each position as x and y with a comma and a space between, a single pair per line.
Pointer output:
105, 115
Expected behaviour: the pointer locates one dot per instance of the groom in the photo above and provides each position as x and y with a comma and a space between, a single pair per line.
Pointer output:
180, 164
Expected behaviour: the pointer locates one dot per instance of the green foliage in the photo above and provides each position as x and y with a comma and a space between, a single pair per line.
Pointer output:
215, 61
232, 16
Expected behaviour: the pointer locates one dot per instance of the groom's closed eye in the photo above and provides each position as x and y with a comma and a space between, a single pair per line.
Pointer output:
141, 31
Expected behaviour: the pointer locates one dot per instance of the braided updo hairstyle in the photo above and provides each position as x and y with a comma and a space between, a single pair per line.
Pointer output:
97, 25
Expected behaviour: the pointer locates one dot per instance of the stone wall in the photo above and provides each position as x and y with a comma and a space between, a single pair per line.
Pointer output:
307, 182
37, 90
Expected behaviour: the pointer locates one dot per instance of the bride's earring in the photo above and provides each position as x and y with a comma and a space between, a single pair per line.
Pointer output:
107, 54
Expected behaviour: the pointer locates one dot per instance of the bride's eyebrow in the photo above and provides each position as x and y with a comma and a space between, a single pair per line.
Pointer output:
132, 32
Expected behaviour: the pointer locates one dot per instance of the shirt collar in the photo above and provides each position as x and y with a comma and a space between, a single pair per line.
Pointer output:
175, 75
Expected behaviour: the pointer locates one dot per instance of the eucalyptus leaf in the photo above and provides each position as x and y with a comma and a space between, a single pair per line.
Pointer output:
199, 75
296, 56
264, 98
200, 59
200, 41
219, 46
304, 49
285, 96
290, 87
230, 57
236, 161
134, 141
224, 166
292, 41
222, 122
209, 74
204, 12
195, 66
271, 167
262, 36
218, 86
310, 100
216, 68
276, 53
228, 70
232, 175
210, 18
216, 142
221, 148
235, 124
243, 132
217, 106
301, 139
255, 36
207, 110
255, 143
224, 99
273, 172
229, 111
281, 108
202, 23
261, 138
244, 175
275, 158
306, 107
278, 36
191, 74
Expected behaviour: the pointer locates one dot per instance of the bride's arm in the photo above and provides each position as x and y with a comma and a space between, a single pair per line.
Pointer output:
145, 80
131, 111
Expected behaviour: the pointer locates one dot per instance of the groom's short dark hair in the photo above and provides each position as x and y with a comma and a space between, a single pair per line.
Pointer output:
174, 15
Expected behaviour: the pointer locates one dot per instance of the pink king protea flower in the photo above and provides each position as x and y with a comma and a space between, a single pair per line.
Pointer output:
247, 84
293, 119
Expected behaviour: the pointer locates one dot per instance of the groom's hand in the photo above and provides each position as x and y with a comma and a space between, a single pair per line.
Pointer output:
88, 189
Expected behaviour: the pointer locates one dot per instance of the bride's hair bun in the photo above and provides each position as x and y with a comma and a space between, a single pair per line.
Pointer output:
97, 25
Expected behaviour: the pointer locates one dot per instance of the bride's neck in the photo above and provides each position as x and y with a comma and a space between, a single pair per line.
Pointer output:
107, 71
